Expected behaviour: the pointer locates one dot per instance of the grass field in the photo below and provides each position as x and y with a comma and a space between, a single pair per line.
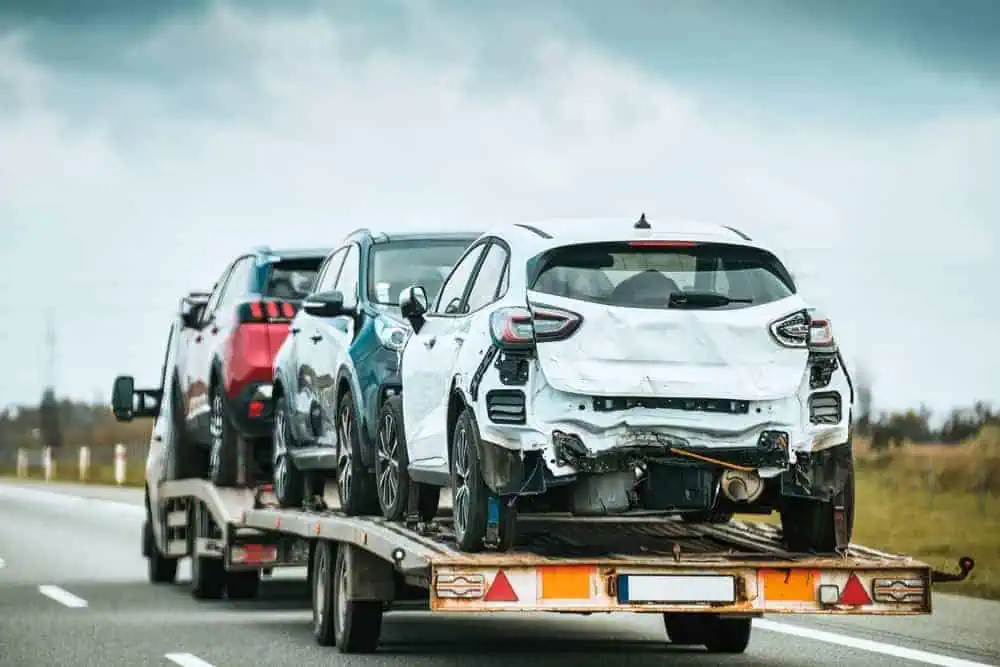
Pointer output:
897, 511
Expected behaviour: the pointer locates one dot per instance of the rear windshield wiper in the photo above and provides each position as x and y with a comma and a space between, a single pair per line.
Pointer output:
702, 300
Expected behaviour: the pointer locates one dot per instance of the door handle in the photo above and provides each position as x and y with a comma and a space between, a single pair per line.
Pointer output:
429, 343
295, 330
317, 338
459, 340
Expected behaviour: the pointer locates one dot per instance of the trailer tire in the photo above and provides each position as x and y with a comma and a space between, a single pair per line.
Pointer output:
242, 585
161, 569
718, 634
321, 578
208, 575
357, 623
728, 635
470, 513
685, 629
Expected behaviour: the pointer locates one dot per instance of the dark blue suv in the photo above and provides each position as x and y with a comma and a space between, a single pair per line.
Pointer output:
339, 367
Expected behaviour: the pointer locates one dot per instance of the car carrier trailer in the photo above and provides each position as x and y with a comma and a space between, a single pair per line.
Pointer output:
707, 580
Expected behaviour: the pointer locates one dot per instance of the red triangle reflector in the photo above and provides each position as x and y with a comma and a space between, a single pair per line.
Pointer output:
854, 593
500, 590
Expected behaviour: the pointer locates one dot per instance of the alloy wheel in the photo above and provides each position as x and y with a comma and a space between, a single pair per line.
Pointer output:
280, 458
215, 427
344, 472
387, 451
460, 490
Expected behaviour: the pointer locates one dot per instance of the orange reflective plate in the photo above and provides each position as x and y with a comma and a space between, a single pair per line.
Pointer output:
566, 582
797, 585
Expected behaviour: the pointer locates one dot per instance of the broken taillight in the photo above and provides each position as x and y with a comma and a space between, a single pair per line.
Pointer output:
522, 328
805, 328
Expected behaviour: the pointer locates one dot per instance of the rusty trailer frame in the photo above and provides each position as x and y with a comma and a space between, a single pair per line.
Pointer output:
707, 580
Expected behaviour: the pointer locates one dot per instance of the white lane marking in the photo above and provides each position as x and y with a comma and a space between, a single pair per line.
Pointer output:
3, 563
62, 596
187, 660
865, 644
66, 501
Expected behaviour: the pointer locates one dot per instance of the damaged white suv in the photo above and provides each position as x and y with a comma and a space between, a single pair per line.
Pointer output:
621, 367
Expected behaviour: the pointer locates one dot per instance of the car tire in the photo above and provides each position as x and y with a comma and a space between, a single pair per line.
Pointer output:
392, 479
809, 525
470, 494
185, 459
355, 484
224, 460
289, 485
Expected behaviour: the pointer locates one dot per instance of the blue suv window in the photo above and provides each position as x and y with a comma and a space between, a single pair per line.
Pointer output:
396, 265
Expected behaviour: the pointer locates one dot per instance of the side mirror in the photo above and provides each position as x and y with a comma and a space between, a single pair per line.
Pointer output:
124, 404
122, 396
413, 305
191, 318
325, 304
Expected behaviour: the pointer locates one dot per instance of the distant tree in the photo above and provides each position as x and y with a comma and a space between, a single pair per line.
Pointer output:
48, 420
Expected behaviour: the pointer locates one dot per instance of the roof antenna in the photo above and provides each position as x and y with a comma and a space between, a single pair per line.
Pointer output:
643, 223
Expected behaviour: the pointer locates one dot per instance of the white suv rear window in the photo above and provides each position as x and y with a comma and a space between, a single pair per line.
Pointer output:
645, 276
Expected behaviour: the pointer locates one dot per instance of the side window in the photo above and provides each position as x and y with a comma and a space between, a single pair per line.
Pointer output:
487, 281
450, 298
238, 283
330, 271
213, 301
347, 283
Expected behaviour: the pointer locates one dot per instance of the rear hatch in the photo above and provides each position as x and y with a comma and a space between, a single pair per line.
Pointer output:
668, 319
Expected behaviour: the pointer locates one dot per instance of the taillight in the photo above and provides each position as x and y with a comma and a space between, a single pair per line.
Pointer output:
514, 328
265, 311
805, 328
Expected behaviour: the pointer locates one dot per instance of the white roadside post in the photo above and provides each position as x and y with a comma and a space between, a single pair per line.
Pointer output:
22, 463
84, 463
119, 464
48, 464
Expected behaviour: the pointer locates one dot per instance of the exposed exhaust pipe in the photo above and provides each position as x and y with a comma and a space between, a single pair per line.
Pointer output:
741, 486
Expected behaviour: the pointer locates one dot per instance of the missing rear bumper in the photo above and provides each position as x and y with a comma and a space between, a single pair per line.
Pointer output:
771, 452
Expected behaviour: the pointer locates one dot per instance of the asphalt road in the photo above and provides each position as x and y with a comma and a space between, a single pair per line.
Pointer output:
73, 594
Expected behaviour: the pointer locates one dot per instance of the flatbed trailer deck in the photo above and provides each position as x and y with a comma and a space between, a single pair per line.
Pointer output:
707, 580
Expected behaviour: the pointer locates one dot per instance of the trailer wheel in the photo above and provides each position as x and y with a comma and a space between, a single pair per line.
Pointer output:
321, 577
716, 633
470, 494
243, 585
162, 570
728, 635
357, 623
208, 575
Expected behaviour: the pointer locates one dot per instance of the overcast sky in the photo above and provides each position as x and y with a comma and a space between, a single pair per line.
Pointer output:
142, 146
